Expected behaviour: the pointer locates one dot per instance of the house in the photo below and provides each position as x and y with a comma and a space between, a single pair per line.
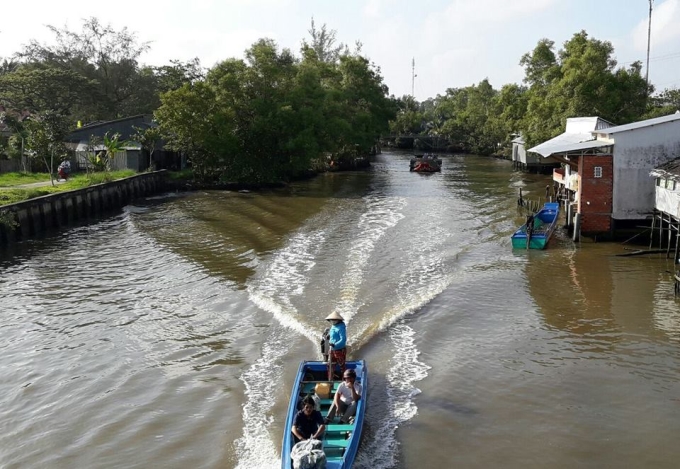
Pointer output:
529, 161
87, 140
605, 175
667, 188
577, 130
667, 209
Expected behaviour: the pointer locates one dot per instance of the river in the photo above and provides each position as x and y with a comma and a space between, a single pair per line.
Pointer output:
167, 335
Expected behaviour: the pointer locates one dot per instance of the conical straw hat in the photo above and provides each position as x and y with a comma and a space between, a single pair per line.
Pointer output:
334, 315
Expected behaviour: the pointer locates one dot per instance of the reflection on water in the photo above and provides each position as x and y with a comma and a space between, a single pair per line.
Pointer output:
168, 335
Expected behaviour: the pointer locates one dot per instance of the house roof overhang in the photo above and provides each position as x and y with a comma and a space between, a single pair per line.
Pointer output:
564, 148
669, 170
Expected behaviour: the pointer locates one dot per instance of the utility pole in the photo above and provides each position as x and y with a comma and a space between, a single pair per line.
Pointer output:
413, 77
649, 39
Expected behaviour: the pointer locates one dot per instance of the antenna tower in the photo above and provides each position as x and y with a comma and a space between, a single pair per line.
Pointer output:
413, 77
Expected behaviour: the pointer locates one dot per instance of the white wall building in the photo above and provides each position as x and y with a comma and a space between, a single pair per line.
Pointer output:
638, 148
667, 193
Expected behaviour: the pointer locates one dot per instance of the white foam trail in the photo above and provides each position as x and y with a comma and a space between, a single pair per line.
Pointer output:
284, 278
381, 215
256, 448
381, 452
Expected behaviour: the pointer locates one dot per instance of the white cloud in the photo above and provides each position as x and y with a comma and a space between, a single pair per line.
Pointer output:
471, 12
373, 8
665, 29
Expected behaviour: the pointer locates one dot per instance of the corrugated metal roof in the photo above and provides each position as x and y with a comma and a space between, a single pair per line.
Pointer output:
578, 130
84, 145
578, 146
579, 125
670, 168
556, 144
641, 124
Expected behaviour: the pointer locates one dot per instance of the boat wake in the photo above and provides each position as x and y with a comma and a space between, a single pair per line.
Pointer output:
396, 404
381, 215
285, 278
424, 273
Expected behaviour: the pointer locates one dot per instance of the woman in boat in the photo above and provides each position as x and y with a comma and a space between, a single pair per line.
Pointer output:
308, 423
346, 398
337, 340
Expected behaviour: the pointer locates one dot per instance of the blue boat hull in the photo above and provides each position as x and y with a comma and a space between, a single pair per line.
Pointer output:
341, 441
545, 222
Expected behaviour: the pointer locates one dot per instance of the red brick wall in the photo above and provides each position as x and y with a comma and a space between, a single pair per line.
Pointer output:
595, 203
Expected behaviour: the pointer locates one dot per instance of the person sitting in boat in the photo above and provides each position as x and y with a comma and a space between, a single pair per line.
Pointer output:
308, 423
337, 339
346, 398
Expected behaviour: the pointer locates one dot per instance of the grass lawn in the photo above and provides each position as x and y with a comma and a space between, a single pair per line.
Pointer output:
10, 195
15, 179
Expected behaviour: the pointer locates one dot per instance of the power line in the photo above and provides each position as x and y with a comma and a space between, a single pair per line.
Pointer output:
672, 55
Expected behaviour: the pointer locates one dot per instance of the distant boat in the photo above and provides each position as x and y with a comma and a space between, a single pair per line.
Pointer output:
541, 227
340, 441
425, 164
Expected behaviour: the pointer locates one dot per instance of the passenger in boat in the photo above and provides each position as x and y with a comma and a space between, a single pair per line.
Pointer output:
346, 398
308, 423
337, 340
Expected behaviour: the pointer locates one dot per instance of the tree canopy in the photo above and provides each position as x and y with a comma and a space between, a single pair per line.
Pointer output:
580, 79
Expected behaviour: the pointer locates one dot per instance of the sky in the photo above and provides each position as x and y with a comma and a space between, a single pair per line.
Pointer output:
455, 43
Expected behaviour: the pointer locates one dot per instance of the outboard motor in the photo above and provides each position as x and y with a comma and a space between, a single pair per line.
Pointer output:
325, 344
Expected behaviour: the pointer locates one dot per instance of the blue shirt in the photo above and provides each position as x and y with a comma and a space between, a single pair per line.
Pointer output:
338, 336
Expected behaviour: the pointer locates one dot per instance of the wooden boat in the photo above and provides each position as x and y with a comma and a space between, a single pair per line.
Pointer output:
425, 164
541, 227
340, 441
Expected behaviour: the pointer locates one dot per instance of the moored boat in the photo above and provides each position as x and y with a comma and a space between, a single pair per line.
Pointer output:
425, 164
340, 441
538, 229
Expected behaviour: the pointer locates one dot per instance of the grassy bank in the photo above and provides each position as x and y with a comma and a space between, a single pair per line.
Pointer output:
16, 179
10, 194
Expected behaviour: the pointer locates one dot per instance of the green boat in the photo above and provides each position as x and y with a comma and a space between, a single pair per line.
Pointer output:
538, 229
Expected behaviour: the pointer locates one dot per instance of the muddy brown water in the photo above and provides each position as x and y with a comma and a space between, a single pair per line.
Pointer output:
168, 335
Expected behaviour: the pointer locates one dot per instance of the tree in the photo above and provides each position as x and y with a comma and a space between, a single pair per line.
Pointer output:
46, 132
37, 88
581, 80
324, 45
193, 121
409, 119
148, 138
665, 103
112, 144
98, 53
14, 147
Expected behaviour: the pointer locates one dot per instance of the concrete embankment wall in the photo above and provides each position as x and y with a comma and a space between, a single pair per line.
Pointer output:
35, 216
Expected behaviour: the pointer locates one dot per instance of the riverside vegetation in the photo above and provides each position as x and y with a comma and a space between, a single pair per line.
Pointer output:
274, 115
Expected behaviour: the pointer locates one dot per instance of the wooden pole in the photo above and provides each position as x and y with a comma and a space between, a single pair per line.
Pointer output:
670, 230
651, 233
577, 227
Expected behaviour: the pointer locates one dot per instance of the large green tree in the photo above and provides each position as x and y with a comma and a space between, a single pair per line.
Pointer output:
99, 53
270, 116
580, 80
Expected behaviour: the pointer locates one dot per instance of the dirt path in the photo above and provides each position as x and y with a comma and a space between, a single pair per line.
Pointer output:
34, 185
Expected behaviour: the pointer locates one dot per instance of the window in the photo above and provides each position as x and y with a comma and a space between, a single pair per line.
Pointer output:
598, 171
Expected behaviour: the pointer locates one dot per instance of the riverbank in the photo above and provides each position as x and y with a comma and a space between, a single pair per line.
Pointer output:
36, 216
